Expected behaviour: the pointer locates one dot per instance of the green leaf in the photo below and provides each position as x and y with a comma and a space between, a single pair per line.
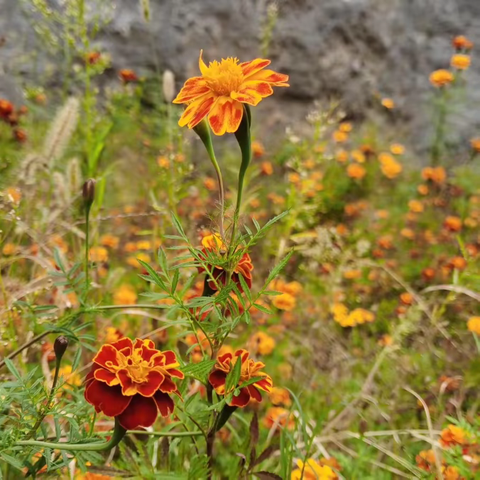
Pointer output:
278, 268
13, 369
199, 371
12, 461
153, 275
233, 376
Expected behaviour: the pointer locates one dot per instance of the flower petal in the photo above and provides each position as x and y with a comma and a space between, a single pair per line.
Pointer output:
265, 384
106, 376
252, 92
254, 393
201, 64
154, 380
167, 386
217, 380
106, 357
129, 388
225, 115
242, 399
123, 343
142, 412
164, 403
108, 400
254, 66
194, 87
276, 79
197, 111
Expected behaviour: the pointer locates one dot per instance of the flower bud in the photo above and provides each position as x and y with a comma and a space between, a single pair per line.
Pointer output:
168, 86
60, 346
88, 192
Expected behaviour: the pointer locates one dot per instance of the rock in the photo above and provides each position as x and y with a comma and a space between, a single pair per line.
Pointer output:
356, 51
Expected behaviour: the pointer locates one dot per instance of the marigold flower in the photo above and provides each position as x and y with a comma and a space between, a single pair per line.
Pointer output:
222, 89
210, 183
415, 206
127, 75
356, 171
108, 240
441, 78
249, 369
389, 166
266, 168
452, 224
345, 127
460, 42
280, 396
214, 244
437, 175
312, 470
397, 148
339, 136
98, 254
6, 108
69, 377
473, 325
125, 295
261, 343
422, 189
475, 144
453, 435
388, 103
10, 249
163, 162
278, 416
341, 156
285, 301
358, 156
131, 381
258, 149
460, 61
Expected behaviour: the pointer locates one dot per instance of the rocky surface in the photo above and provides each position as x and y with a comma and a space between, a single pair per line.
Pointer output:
353, 50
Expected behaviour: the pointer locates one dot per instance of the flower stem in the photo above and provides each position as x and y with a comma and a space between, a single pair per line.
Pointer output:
118, 434
203, 132
25, 346
87, 241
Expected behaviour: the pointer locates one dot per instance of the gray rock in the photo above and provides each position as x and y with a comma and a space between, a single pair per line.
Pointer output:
353, 50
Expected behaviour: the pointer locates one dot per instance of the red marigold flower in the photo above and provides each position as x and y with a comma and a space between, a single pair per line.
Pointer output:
131, 381
6, 108
249, 369
221, 90
214, 244
127, 75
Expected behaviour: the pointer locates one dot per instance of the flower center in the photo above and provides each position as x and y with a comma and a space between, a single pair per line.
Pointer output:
225, 77
137, 367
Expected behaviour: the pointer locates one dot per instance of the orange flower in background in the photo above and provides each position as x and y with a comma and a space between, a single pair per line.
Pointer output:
313, 470
222, 89
258, 149
266, 168
453, 435
249, 369
127, 75
132, 382
388, 103
125, 295
356, 171
475, 144
460, 61
285, 301
280, 396
441, 78
213, 244
452, 224
279, 417
473, 325
460, 42
261, 343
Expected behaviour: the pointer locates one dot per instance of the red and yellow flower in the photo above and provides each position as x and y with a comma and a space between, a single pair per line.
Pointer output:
132, 382
249, 370
222, 89
213, 244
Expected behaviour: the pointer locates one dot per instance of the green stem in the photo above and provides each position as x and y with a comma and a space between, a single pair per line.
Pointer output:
118, 434
203, 132
166, 434
87, 241
26, 345
245, 143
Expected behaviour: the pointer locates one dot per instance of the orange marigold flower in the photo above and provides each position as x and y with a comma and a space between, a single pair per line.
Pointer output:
452, 224
258, 149
163, 162
397, 148
415, 206
222, 89
213, 245
108, 240
261, 343
345, 127
388, 103
473, 325
98, 254
210, 183
475, 144
422, 189
339, 136
249, 369
341, 156
389, 166
266, 168
426, 460
285, 301
460, 61
437, 175
131, 381
453, 435
313, 470
127, 75
6, 108
125, 295
278, 416
358, 156
280, 396
356, 171
92, 58
441, 78
460, 42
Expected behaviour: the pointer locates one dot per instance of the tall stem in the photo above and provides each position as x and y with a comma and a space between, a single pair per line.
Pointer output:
87, 241
203, 132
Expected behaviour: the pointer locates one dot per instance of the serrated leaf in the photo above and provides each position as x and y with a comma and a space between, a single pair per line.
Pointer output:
233, 376
278, 268
13, 369
199, 371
